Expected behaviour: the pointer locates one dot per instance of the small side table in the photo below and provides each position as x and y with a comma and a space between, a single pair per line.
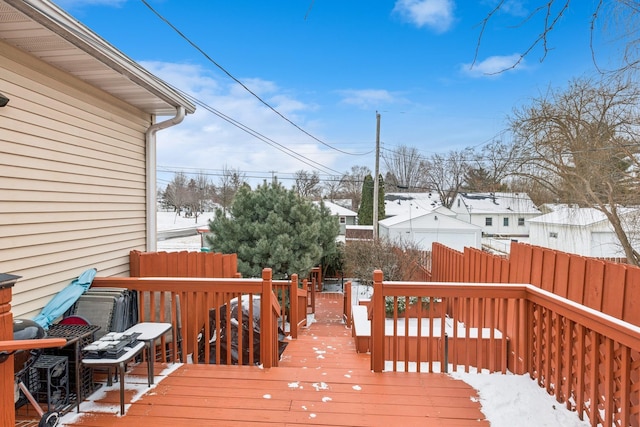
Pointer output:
149, 333
120, 363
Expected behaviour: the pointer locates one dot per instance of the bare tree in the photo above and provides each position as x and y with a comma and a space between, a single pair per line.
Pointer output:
332, 188
583, 145
197, 195
619, 17
176, 192
307, 184
399, 260
445, 174
228, 185
403, 167
352, 184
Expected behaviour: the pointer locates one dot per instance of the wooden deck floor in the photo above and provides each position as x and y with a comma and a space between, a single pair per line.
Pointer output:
321, 381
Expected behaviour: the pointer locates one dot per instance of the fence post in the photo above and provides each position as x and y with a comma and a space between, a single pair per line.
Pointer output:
377, 324
293, 307
266, 320
8, 417
347, 303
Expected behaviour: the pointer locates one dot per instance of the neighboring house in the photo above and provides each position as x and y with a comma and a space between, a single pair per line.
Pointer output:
77, 137
420, 218
499, 214
429, 227
582, 231
345, 217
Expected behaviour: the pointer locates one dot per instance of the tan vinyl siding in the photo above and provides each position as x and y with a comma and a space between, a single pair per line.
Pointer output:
72, 180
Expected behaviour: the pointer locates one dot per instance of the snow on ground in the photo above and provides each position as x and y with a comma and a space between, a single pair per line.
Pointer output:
507, 400
517, 400
135, 386
171, 221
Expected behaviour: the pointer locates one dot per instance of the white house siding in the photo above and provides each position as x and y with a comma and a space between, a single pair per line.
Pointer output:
583, 232
561, 237
72, 179
516, 208
429, 228
454, 239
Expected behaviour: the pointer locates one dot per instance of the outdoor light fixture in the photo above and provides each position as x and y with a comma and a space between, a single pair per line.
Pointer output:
3, 100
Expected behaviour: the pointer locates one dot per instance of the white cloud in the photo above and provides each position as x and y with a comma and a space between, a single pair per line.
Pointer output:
204, 141
494, 66
509, 7
435, 14
369, 98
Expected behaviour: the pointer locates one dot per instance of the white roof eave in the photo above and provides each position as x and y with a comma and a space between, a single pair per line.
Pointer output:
143, 89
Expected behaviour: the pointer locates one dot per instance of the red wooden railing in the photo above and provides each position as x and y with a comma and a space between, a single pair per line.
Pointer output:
293, 299
588, 360
7, 417
190, 301
347, 302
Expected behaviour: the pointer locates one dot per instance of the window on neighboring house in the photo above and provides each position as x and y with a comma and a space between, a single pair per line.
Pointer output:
488, 221
553, 234
343, 220
505, 222
521, 222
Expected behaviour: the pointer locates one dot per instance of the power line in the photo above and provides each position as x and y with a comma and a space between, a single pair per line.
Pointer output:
265, 103
284, 149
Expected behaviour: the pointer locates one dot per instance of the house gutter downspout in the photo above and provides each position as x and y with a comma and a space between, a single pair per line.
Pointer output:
150, 141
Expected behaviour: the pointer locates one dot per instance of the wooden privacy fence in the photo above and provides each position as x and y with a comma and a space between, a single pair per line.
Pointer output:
182, 264
588, 360
605, 286
187, 304
217, 265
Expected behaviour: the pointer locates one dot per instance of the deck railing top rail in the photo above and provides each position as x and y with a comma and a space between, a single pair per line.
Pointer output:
624, 332
587, 359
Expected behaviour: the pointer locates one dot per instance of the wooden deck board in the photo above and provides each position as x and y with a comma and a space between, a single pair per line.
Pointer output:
321, 381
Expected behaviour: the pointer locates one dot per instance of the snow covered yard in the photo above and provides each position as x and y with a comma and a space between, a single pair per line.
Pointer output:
171, 221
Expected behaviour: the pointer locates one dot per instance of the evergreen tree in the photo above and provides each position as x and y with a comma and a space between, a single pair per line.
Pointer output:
381, 212
329, 228
272, 227
365, 212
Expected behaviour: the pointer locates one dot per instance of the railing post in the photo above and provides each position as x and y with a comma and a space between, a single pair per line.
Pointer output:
266, 320
377, 324
347, 303
446, 353
293, 307
8, 417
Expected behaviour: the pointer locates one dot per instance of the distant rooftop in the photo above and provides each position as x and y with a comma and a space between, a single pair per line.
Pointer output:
403, 203
499, 202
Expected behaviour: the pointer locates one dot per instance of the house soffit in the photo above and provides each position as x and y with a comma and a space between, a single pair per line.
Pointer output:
45, 31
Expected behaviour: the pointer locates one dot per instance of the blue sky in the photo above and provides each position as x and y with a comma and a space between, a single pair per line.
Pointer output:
330, 65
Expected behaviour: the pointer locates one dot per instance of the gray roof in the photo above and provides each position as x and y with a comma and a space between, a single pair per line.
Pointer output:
44, 30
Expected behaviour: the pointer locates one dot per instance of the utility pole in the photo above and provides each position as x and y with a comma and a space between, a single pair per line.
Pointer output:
376, 181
